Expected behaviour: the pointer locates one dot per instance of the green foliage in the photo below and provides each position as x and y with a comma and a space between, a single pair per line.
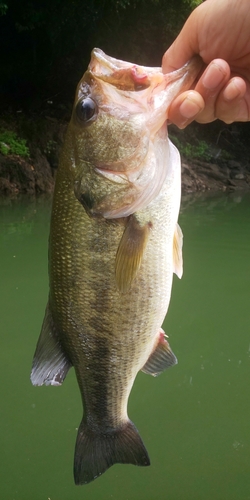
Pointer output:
193, 3
200, 151
3, 8
50, 147
10, 143
224, 156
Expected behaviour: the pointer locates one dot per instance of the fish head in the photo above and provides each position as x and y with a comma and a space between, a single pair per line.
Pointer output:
119, 133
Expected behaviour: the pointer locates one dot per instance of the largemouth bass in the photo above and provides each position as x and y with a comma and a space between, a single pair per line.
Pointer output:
114, 246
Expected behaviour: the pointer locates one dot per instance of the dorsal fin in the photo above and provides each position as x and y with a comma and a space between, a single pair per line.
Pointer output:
130, 252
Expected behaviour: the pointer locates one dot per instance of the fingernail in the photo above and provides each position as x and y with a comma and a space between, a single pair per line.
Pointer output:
213, 76
189, 109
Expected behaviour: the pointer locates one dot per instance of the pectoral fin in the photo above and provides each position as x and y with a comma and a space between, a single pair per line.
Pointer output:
50, 364
177, 251
161, 358
130, 252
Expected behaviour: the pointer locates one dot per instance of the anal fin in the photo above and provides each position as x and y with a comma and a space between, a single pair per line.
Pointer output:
161, 358
50, 364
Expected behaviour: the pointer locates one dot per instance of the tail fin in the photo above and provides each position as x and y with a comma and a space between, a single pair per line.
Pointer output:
96, 452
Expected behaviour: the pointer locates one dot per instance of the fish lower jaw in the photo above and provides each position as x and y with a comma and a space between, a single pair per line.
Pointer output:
113, 176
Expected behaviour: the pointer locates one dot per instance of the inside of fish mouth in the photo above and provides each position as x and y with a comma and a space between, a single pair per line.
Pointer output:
126, 81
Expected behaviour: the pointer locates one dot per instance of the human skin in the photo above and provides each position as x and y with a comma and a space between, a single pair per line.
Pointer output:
219, 31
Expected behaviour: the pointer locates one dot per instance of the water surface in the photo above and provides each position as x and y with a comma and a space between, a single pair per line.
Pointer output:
194, 418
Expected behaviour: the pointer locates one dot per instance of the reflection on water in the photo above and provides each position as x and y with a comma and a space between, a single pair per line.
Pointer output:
194, 418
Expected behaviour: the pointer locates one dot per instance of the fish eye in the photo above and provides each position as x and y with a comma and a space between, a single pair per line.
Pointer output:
86, 110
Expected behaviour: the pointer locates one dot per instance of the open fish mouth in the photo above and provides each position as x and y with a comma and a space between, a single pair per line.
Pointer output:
123, 75
148, 89
128, 76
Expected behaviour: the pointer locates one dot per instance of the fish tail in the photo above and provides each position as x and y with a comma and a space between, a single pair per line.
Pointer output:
95, 452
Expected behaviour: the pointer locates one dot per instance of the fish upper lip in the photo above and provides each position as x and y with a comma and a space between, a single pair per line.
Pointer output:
113, 64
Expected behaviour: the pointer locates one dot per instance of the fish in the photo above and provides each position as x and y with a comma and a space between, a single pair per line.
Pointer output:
114, 245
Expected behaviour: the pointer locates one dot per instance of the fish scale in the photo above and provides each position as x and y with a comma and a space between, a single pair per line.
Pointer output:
114, 245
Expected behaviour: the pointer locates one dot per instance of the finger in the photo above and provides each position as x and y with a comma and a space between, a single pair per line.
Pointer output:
185, 108
186, 45
243, 111
231, 105
209, 86
177, 55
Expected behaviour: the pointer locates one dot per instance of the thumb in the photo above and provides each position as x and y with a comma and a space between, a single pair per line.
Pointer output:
184, 47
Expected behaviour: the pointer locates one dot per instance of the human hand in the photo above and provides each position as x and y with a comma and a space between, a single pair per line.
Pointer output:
218, 30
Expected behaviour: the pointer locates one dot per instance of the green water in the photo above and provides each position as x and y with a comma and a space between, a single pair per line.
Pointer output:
194, 418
